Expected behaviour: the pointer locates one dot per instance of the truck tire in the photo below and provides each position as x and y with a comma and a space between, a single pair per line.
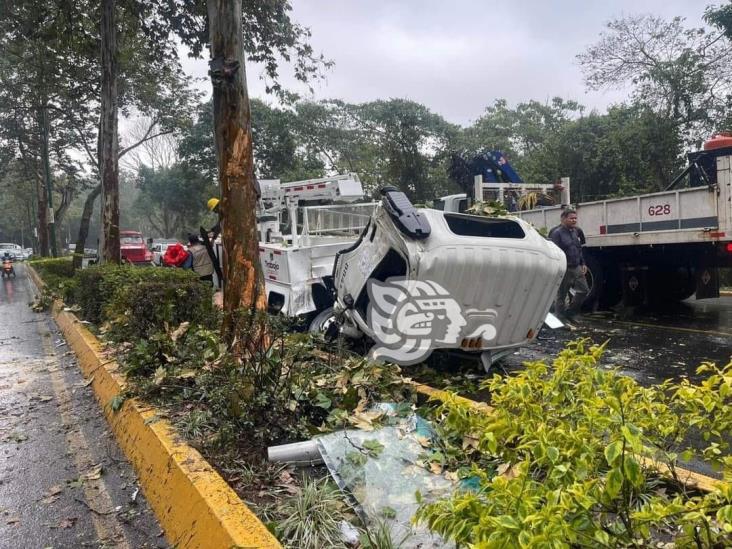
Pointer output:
595, 278
322, 321
612, 286
671, 285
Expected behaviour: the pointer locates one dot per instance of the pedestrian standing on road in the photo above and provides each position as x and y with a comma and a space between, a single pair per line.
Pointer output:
202, 264
567, 237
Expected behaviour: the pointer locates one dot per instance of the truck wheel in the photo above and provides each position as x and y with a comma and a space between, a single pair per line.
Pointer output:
612, 287
594, 277
668, 285
321, 323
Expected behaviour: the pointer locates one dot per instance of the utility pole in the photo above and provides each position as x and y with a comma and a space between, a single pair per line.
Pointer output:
233, 136
45, 130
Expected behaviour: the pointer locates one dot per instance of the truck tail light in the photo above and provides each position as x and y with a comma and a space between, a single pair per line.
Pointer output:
729, 247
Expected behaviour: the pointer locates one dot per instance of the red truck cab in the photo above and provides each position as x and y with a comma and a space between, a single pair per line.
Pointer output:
133, 248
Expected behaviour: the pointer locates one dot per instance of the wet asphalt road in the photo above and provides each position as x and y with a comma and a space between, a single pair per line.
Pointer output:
63, 480
649, 345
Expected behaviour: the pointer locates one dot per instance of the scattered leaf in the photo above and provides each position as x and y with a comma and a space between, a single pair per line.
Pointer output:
388, 512
424, 442
94, 474
179, 331
67, 522
160, 375
374, 447
356, 458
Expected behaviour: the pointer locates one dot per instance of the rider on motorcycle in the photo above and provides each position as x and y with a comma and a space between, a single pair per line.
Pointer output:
7, 267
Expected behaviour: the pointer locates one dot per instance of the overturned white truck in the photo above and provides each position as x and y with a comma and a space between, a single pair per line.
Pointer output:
417, 280
410, 280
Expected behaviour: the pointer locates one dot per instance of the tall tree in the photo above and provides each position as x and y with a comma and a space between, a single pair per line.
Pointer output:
108, 138
684, 74
233, 137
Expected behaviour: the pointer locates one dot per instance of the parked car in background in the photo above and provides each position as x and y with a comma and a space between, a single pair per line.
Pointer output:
159, 245
133, 248
14, 251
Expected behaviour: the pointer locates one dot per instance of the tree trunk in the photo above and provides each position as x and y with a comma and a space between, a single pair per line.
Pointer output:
67, 196
244, 288
48, 177
86, 215
108, 139
42, 217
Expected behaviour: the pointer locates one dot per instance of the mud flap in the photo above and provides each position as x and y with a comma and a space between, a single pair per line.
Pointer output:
707, 282
635, 281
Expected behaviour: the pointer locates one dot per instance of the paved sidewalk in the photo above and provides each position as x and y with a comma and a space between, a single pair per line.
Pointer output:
63, 480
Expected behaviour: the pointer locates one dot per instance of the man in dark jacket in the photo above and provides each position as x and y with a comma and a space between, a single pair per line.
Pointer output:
569, 238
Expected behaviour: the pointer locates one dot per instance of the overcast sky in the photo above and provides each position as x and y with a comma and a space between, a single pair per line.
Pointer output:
458, 56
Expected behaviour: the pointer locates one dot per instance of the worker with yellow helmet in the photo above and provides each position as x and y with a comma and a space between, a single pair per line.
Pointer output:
213, 206
210, 236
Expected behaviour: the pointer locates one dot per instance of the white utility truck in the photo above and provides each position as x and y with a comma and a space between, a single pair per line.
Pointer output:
650, 248
297, 264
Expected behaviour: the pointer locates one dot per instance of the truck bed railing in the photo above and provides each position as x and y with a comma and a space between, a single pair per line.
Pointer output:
336, 220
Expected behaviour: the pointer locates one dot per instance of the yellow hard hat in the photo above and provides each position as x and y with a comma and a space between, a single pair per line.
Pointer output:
212, 203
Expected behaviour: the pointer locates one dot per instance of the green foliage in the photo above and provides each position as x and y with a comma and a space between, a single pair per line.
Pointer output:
488, 209
565, 459
139, 302
52, 270
287, 389
679, 72
172, 198
57, 273
313, 516
378, 535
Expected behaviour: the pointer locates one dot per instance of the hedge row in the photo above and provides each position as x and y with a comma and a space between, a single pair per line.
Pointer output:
136, 302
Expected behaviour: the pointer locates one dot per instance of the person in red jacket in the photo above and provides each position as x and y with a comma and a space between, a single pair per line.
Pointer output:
177, 256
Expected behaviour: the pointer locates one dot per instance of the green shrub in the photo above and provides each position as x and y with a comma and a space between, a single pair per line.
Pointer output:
57, 273
147, 307
566, 458
141, 301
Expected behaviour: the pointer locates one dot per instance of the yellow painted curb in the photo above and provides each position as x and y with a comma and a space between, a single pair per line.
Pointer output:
194, 505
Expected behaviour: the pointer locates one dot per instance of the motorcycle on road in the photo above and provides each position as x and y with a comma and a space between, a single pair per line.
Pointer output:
7, 268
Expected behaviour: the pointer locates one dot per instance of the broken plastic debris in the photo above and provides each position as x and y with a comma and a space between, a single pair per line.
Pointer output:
388, 480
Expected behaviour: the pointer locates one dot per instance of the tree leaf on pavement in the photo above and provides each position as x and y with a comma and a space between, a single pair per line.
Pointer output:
68, 522
94, 474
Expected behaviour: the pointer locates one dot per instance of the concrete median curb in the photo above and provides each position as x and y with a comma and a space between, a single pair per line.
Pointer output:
193, 504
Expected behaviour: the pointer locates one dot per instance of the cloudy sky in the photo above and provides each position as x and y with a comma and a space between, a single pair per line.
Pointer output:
458, 56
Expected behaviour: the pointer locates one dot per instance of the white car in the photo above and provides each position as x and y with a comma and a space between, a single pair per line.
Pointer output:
159, 248
15, 251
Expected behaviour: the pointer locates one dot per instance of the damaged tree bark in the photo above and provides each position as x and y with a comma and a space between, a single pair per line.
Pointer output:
233, 136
